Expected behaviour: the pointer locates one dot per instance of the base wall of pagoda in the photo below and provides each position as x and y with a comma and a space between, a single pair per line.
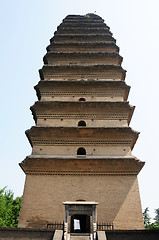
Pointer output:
118, 197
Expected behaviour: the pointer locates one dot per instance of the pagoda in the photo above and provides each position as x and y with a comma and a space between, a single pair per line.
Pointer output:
82, 142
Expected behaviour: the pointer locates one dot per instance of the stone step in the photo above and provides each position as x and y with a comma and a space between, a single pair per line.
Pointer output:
80, 237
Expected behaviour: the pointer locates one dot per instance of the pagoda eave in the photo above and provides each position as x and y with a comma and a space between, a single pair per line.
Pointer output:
80, 54
91, 83
80, 71
121, 109
82, 37
125, 131
79, 30
80, 68
75, 135
81, 165
83, 24
84, 45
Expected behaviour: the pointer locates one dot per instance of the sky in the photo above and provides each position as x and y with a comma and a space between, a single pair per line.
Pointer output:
26, 27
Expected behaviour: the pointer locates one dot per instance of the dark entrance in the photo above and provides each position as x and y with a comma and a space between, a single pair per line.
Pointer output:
81, 151
80, 223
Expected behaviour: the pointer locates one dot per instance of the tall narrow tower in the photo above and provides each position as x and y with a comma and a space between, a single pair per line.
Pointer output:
82, 142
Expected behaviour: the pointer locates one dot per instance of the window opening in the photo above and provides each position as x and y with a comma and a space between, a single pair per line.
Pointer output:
82, 123
81, 151
82, 99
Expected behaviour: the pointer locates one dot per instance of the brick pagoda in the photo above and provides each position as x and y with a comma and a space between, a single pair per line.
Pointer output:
82, 142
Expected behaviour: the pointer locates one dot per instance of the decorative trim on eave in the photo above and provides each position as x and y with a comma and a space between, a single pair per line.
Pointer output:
111, 116
79, 142
103, 173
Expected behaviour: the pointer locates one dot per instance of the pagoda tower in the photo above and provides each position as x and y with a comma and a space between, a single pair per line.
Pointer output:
82, 142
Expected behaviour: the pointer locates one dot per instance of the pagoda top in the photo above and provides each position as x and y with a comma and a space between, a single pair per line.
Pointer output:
87, 15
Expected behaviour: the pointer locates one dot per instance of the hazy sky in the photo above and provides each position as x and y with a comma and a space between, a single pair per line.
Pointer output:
26, 27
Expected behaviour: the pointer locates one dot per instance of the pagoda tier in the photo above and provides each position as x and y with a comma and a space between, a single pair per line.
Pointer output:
85, 72
85, 20
82, 90
101, 114
79, 30
83, 38
97, 141
88, 16
83, 47
82, 25
56, 58
82, 143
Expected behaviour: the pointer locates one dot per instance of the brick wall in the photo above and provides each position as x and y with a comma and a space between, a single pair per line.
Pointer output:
25, 234
118, 197
133, 235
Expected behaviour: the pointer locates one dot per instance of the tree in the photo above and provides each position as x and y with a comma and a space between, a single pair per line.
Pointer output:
9, 208
156, 218
146, 217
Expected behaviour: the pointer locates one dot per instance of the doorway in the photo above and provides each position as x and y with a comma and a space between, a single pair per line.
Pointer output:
80, 223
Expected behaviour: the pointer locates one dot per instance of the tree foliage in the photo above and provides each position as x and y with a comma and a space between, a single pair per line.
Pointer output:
9, 208
146, 217
147, 220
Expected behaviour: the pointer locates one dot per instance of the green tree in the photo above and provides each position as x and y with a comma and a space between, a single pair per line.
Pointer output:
9, 208
146, 217
156, 218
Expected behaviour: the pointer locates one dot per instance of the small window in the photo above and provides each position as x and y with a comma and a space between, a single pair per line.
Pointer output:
82, 124
82, 99
81, 151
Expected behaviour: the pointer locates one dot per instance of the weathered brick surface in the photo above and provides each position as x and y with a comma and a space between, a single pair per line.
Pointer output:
25, 234
118, 198
133, 235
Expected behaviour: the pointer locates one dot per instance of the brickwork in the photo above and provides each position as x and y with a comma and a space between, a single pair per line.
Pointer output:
118, 198
25, 234
39, 234
133, 235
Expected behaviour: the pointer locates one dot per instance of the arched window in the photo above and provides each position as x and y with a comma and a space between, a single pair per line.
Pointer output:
82, 99
81, 151
82, 123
